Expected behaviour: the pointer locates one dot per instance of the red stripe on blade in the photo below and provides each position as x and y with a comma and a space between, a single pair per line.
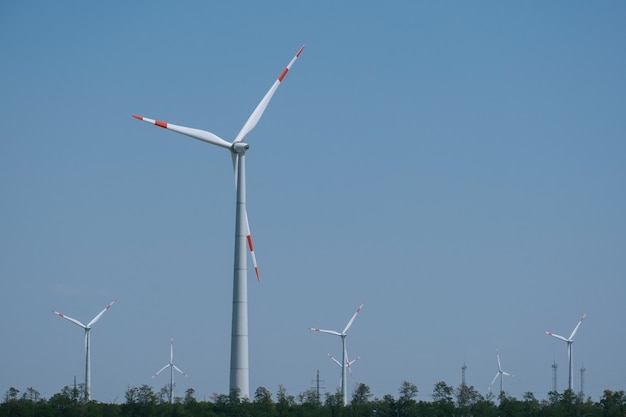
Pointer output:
282, 75
249, 237
161, 124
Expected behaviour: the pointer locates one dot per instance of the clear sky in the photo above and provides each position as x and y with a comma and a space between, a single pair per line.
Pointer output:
458, 166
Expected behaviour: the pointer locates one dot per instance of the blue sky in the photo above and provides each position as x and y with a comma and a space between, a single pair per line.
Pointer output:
459, 166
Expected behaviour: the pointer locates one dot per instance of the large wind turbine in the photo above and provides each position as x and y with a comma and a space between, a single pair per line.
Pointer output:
343, 334
500, 373
87, 328
239, 371
172, 368
570, 353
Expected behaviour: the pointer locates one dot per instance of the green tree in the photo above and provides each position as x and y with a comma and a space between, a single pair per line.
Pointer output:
334, 403
531, 405
613, 403
284, 402
11, 394
406, 402
361, 395
31, 394
443, 393
443, 399
466, 397
385, 407
263, 404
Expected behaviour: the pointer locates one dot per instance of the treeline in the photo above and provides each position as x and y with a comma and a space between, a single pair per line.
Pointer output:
446, 401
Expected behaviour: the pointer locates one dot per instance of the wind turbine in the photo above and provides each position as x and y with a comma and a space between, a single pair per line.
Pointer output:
348, 363
87, 328
239, 371
500, 373
570, 353
172, 368
342, 334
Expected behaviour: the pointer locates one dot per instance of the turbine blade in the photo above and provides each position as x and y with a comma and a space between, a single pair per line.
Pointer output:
95, 319
334, 360
349, 364
507, 374
577, 326
202, 135
251, 248
493, 380
324, 331
260, 108
358, 310
181, 372
247, 225
557, 336
78, 323
171, 349
498, 357
354, 360
161, 370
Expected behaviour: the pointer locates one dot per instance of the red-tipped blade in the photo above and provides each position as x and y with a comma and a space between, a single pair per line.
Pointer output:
199, 134
260, 108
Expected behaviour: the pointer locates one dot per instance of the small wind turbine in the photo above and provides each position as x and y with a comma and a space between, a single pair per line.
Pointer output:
348, 363
570, 353
172, 368
87, 328
343, 334
239, 371
500, 373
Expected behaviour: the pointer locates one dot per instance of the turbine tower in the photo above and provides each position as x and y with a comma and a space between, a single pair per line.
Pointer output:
87, 328
500, 373
239, 371
343, 334
570, 353
172, 368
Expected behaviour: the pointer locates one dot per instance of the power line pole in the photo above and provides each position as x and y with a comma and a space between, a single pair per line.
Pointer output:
554, 367
582, 381
463, 368
318, 385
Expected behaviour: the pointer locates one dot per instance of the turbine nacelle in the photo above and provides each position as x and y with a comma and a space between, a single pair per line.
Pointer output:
239, 147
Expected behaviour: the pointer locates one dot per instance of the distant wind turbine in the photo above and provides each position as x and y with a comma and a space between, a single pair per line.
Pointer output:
348, 363
172, 368
87, 328
500, 373
342, 334
570, 353
239, 371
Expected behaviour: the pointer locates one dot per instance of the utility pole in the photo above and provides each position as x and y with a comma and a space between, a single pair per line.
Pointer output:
582, 381
318, 385
463, 368
554, 366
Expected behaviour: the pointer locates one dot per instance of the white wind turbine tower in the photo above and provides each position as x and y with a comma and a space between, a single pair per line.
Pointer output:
239, 371
348, 363
500, 373
570, 353
343, 335
87, 328
172, 368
